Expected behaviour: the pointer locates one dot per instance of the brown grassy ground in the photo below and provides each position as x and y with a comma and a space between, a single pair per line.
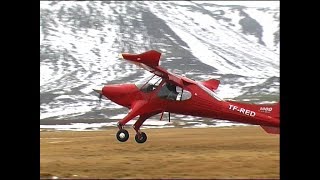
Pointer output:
237, 152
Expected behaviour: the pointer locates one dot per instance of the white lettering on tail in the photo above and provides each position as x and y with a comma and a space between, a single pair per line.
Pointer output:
266, 109
242, 110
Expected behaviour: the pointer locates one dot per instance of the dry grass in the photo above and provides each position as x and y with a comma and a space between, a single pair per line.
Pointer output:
238, 152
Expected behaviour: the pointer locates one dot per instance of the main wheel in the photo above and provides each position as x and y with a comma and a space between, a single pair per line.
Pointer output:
122, 135
142, 138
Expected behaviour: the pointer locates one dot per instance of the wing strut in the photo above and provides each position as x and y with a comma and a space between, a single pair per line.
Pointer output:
162, 115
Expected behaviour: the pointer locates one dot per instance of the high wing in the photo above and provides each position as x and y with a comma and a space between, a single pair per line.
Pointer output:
150, 61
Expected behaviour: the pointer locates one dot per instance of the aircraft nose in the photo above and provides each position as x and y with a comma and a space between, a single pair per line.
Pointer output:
122, 94
118, 90
112, 91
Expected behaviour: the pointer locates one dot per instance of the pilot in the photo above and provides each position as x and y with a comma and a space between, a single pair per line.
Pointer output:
150, 88
173, 91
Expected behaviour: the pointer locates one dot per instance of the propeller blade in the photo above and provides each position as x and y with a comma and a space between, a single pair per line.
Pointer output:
169, 116
97, 90
100, 94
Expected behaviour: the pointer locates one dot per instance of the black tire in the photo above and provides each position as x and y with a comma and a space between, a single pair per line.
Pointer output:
142, 138
122, 132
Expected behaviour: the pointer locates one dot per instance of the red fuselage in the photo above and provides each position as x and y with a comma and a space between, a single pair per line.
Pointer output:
169, 92
199, 103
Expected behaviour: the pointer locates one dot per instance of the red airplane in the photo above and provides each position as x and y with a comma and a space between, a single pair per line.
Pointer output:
169, 92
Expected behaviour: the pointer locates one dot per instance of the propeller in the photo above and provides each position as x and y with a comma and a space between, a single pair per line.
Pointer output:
99, 92
100, 97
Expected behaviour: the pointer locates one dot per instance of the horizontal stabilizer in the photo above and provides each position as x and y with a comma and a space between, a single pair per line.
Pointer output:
211, 84
271, 130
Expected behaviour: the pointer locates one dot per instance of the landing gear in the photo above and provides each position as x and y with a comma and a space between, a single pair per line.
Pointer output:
141, 137
122, 135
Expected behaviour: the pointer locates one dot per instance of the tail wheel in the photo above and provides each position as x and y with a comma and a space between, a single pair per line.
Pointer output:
122, 135
141, 138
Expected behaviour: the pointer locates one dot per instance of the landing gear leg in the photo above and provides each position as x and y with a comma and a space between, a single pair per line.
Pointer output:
123, 135
140, 137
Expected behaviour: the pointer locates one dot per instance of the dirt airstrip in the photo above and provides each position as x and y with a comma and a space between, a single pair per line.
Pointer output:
230, 152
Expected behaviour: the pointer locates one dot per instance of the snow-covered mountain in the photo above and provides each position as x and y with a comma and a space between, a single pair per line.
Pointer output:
236, 42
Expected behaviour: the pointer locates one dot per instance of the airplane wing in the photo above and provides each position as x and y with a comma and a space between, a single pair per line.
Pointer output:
150, 61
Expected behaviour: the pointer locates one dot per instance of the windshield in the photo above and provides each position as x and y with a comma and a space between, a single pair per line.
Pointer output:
211, 93
148, 83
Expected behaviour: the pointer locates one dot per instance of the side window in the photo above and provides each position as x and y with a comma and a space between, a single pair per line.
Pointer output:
168, 91
172, 92
183, 94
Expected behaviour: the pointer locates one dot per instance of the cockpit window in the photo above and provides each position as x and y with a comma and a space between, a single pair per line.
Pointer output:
183, 94
149, 83
171, 92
